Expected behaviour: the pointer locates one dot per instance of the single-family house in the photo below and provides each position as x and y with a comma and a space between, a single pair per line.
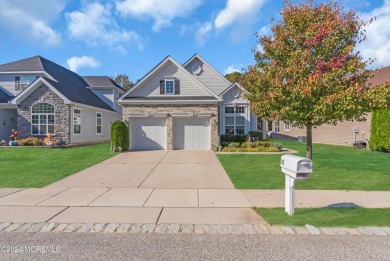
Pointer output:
344, 132
184, 107
38, 96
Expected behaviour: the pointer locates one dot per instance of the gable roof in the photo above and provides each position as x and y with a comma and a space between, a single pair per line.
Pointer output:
218, 74
231, 87
159, 66
101, 82
68, 83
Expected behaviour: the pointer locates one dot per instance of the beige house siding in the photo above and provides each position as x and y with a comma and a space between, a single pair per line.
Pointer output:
340, 134
171, 109
88, 125
187, 86
208, 77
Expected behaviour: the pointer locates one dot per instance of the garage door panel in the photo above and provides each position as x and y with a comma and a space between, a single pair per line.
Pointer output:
191, 133
148, 134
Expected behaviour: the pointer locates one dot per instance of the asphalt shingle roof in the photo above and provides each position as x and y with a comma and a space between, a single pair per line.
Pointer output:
172, 97
380, 76
70, 84
4, 97
101, 81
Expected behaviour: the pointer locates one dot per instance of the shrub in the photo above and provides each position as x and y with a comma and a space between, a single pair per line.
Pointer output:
262, 143
279, 146
259, 149
234, 145
380, 131
258, 135
119, 136
233, 138
30, 141
225, 143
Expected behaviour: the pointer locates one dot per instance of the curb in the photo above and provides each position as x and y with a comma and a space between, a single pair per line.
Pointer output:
225, 229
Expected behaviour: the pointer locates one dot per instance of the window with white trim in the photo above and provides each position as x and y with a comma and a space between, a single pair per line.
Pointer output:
76, 121
287, 126
98, 123
169, 86
22, 82
277, 127
42, 119
234, 120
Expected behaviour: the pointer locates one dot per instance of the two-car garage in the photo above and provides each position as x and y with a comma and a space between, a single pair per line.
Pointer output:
152, 133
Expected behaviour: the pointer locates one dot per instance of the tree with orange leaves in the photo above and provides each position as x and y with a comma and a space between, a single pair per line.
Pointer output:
307, 71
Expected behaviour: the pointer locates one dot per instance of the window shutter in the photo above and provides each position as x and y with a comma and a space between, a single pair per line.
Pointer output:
177, 86
162, 87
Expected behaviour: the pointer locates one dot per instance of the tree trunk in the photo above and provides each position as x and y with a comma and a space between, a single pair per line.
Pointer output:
309, 141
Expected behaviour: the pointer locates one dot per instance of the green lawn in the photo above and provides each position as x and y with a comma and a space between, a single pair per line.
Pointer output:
37, 167
328, 217
334, 168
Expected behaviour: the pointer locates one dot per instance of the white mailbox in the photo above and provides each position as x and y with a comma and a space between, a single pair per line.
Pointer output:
294, 168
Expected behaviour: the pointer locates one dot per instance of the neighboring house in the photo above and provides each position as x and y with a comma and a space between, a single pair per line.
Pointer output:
343, 132
39, 96
184, 107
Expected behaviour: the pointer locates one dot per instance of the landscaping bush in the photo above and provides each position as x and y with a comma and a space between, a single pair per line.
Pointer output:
119, 136
30, 141
258, 135
233, 138
259, 149
380, 131
262, 143
225, 143
279, 146
234, 145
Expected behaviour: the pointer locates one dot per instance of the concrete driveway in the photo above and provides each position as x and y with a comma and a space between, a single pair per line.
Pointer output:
153, 169
184, 187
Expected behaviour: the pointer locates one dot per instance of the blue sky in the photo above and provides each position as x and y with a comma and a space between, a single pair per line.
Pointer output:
132, 36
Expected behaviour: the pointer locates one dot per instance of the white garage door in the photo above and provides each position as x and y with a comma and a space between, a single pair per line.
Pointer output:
191, 133
148, 133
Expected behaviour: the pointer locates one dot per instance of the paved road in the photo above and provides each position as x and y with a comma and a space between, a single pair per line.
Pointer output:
100, 246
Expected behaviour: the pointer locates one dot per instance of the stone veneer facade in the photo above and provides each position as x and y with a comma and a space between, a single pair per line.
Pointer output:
171, 109
44, 95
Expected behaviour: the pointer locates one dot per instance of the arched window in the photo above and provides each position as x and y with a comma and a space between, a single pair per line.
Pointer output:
42, 119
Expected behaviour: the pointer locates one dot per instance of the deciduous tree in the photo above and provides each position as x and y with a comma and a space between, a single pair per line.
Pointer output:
123, 81
307, 70
234, 76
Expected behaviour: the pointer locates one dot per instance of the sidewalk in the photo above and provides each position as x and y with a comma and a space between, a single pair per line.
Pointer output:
165, 206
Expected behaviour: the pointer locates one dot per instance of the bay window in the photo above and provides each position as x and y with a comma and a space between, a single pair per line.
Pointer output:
235, 120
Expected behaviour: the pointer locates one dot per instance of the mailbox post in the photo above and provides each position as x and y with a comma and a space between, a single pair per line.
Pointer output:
294, 168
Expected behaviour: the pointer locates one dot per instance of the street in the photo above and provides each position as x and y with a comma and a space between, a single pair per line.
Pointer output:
114, 246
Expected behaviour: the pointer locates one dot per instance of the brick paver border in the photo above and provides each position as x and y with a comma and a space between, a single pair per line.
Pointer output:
191, 229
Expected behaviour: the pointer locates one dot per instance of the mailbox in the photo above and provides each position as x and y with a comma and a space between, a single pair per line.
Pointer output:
296, 167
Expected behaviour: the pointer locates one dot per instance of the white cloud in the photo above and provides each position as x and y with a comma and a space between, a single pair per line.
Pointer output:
31, 20
232, 68
84, 61
377, 44
95, 26
160, 11
238, 11
202, 33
